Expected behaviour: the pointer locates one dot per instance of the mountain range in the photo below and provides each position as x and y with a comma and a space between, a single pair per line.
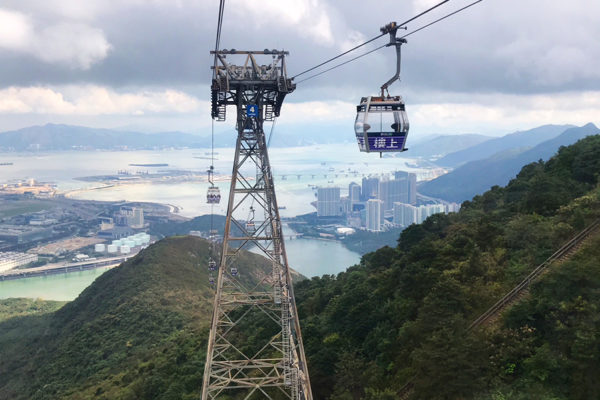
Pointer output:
488, 148
473, 177
436, 146
57, 137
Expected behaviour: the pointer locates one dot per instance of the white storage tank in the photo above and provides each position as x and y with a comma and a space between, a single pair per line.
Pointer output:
125, 250
111, 248
129, 243
117, 242
139, 241
99, 248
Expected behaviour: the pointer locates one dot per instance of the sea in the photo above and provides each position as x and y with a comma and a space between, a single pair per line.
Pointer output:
297, 172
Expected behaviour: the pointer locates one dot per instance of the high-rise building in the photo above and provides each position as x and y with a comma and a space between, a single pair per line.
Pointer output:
412, 188
328, 202
370, 188
393, 191
374, 215
400, 175
345, 206
353, 193
452, 207
405, 214
425, 211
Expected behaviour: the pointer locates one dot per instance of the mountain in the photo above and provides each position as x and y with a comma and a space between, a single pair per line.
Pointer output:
477, 176
440, 145
138, 332
53, 137
403, 313
490, 147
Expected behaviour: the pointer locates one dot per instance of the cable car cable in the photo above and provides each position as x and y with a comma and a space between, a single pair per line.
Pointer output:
370, 40
271, 133
218, 38
341, 64
441, 19
380, 47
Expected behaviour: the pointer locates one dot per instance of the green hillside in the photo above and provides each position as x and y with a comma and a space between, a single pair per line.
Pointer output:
404, 312
139, 332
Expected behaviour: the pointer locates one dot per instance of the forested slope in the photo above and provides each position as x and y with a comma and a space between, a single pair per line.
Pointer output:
139, 332
404, 311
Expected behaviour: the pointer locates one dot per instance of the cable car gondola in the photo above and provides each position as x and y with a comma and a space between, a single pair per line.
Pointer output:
212, 265
213, 195
381, 123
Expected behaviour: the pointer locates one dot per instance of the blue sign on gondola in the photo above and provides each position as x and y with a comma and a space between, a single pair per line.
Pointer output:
382, 144
252, 110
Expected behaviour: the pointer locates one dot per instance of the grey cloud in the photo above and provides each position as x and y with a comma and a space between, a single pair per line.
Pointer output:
538, 46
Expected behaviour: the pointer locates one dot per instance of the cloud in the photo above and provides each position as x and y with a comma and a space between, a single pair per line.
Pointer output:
95, 100
318, 111
71, 44
500, 113
308, 18
15, 30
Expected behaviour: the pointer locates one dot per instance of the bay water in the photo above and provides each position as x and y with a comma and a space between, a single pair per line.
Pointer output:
297, 172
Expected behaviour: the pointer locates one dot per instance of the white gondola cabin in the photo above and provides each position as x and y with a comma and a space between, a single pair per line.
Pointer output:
212, 265
213, 196
381, 124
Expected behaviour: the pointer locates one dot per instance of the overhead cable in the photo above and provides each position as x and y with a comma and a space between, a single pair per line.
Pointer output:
369, 41
218, 38
341, 64
380, 47
441, 19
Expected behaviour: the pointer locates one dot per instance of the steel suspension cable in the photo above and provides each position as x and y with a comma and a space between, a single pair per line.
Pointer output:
212, 137
218, 37
341, 64
370, 40
402, 37
441, 19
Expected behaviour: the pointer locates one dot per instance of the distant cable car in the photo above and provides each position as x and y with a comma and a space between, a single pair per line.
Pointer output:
213, 196
381, 123
211, 280
234, 271
212, 265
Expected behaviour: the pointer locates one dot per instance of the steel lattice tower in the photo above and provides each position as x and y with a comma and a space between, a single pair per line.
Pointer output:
276, 368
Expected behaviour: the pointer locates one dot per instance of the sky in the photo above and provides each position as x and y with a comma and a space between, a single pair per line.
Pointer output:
497, 67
